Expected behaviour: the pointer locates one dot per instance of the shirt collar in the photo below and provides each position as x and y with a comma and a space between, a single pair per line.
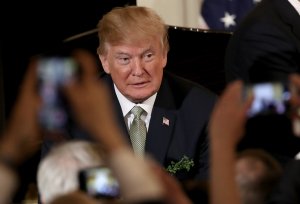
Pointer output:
127, 105
296, 5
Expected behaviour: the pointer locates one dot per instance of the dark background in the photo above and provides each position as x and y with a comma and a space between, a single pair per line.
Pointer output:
31, 27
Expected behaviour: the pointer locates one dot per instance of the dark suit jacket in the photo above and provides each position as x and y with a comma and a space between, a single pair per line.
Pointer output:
187, 106
266, 45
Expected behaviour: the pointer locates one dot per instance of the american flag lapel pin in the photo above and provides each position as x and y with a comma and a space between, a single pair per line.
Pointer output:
165, 121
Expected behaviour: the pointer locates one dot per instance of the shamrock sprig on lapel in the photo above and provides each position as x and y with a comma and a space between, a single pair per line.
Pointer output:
184, 163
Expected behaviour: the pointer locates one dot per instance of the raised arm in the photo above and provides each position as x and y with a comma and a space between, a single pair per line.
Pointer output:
226, 129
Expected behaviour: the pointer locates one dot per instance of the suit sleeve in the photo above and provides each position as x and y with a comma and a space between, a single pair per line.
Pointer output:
261, 52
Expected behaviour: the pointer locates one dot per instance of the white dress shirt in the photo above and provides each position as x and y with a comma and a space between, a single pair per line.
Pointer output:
127, 105
296, 5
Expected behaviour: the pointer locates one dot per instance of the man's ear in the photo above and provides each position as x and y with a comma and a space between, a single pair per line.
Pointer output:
104, 62
165, 60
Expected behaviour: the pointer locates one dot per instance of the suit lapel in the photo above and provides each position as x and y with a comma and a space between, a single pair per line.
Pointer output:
160, 132
162, 122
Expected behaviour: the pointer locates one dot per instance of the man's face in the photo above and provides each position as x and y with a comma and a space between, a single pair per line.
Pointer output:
137, 69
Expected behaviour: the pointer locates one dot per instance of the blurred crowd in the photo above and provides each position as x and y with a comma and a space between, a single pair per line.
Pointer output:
186, 145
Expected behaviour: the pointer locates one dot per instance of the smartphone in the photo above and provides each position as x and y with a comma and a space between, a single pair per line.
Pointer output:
99, 182
53, 73
269, 98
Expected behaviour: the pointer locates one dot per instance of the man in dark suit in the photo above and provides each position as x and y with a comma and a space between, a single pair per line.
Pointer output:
175, 112
266, 45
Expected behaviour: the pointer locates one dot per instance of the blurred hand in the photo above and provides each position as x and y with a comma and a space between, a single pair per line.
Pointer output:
22, 136
227, 126
92, 103
295, 89
295, 102
229, 116
174, 193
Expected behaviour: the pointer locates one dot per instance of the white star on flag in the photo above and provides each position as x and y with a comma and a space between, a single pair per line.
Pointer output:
166, 121
226, 14
228, 20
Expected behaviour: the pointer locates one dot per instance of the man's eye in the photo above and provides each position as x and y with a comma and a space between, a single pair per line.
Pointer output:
148, 57
123, 60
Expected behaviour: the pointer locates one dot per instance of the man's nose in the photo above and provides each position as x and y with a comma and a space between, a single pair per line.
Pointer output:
137, 67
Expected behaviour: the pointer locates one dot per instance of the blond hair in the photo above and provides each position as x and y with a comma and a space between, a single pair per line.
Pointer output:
131, 24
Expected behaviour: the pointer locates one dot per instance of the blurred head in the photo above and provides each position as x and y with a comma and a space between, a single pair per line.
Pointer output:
257, 172
58, 170
133, 50
76, 197
8, 179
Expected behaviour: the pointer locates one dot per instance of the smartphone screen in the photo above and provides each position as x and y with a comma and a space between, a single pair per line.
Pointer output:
269, 98
53, 73
99, 182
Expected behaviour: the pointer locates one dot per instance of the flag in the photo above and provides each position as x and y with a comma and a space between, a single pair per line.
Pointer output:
225, 14
166, 121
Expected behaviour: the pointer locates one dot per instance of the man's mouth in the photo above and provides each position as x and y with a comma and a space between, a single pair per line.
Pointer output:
140, 84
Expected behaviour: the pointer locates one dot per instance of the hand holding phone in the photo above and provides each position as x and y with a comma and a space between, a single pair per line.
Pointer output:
269, 98
99, 182
53, 73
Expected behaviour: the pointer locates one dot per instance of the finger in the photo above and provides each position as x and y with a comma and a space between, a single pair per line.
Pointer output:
295, 80
232, 93
87, 62
295, 89
248, 102
30, 78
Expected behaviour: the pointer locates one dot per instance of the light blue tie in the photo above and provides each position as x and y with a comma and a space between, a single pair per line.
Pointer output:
138, 131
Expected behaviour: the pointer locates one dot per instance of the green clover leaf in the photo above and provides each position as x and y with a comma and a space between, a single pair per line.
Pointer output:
184, 163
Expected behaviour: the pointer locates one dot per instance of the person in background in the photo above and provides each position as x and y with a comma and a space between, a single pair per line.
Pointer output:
39, 38
245, 177
257, 172
21, 137
287, 190
266, 45
76, 197
58, 171
133, 51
